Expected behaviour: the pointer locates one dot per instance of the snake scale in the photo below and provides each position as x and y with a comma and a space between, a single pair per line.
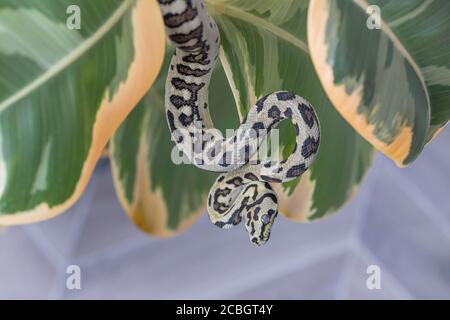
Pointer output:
243, 188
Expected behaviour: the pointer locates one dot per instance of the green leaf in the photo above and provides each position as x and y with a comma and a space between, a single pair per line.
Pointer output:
63, 93
264, 49
391, 84
161, 197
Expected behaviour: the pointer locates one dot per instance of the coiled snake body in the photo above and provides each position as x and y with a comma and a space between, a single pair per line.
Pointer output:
243, 189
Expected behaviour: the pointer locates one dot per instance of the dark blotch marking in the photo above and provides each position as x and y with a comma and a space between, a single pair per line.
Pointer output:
170, 120
212, 153
200, 58
235, 181
307, 114
288, 113
174, 20
271, 196
271, 179
178, 101
310, 147
297, 129
220, 207
181, 38
202, 44
274, 112
251, 176
296, 171
185, 119
268, 164
258, 126
181, 84
188, 71
260, 104
285, 96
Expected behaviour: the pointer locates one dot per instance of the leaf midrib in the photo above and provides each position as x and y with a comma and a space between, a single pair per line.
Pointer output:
235, 12
67, 60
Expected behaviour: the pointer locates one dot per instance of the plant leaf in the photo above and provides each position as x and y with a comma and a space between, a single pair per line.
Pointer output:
64, 92
391, 84
264, 49
161, 197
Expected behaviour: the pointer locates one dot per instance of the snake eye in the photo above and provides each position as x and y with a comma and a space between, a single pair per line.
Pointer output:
272, 212
265, 219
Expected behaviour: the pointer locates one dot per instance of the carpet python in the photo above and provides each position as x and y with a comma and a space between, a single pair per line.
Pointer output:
242, 190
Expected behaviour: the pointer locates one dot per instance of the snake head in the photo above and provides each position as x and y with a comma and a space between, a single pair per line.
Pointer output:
260, 217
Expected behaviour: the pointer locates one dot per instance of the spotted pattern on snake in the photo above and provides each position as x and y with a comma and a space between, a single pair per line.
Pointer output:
243, 189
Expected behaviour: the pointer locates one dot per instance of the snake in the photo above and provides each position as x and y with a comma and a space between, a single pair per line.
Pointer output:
243, 189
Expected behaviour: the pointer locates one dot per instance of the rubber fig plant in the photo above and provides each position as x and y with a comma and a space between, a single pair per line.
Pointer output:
77, 74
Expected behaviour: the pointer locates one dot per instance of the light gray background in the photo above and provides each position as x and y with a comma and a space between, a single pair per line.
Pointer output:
400, 221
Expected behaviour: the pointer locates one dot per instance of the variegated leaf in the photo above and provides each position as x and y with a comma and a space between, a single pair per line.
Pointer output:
391, 83
264, 49
161, 197
64, 91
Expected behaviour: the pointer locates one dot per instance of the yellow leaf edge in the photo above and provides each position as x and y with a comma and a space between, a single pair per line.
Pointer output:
149, 42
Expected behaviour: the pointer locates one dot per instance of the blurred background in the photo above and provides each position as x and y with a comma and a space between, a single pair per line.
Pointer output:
399, 221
